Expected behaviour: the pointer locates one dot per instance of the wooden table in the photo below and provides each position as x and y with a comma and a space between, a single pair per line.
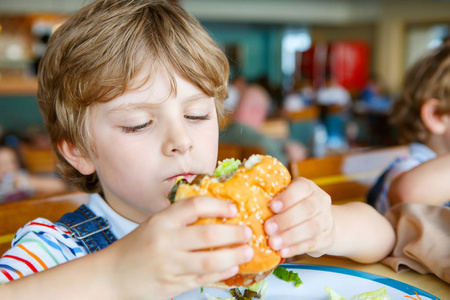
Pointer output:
429, 283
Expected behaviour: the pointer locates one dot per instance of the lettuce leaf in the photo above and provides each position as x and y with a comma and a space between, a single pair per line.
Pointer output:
287, 276
380, 294
260, 288
226, 166
333, 294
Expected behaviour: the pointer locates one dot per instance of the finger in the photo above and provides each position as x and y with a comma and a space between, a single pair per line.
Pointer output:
215, 235
299, 189
206, 262
206, 279
301, 233
302, 211
190, 210
315, 247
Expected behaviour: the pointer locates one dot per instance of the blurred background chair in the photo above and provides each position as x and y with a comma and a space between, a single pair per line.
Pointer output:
14, 215
302, 123
38, 160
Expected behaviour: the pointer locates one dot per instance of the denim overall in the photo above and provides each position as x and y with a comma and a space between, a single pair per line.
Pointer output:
91, 230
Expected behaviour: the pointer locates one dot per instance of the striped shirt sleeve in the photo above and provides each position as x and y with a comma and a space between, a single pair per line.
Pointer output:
37, 246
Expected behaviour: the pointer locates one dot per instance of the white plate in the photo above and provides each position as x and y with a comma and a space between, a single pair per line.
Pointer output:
345, 282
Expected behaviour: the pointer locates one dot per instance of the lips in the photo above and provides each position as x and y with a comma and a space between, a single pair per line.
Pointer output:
188, 176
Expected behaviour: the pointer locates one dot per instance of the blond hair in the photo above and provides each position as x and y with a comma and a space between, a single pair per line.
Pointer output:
95, 55
429, 78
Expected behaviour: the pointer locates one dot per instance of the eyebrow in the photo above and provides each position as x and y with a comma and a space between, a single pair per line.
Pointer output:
147, 105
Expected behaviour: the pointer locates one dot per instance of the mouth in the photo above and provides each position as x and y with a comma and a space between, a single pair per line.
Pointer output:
188, 176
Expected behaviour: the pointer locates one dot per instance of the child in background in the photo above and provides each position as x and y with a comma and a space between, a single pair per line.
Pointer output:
132, 94
14, 181
17, 184
422, 117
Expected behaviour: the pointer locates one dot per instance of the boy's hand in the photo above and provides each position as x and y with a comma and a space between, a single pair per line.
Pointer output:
164, 256
303, 221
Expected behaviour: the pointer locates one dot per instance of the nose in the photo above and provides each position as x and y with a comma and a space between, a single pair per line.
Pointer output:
177, 140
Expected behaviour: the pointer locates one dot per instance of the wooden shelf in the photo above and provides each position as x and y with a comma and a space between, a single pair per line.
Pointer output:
18, 86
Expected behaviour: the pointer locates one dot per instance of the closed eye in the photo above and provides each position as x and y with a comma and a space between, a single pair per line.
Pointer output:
137, 128
197, 118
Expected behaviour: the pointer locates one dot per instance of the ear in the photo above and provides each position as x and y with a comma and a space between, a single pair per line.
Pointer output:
74, 156
436, 123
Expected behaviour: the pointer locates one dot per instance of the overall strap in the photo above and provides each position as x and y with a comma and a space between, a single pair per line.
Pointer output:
376, 190
93, 231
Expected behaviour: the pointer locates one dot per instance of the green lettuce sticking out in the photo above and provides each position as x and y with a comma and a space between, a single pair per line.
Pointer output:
260, 288
226, 166
255, 291
287, 276
178, 181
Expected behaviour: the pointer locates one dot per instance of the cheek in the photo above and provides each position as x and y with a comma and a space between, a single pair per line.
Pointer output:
206, 142
123, 159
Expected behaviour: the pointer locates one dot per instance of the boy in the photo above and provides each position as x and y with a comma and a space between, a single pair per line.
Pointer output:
422, 118
132, 93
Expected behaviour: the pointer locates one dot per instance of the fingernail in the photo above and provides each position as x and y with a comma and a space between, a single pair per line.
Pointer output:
276, 206
276, 242
248, 232
233, 209
284, 252
271, 228
248, 252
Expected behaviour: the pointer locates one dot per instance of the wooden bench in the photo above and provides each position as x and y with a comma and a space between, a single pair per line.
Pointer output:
39, 160
347, 177
14, 215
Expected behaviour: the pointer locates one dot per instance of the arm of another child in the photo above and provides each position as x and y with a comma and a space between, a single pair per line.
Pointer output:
306, 222
426, 183
158, 260
47, 185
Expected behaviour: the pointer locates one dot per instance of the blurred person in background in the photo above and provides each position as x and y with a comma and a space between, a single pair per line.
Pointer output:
376, 105
375, 96
333, 94
334, 101
301, 96
248, 119
17, 184
422, 117
235, 89
413, 193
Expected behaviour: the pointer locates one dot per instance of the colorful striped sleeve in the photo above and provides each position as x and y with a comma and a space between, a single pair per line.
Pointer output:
37, 246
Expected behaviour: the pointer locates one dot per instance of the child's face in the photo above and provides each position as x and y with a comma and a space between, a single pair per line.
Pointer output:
8, 162
145, 139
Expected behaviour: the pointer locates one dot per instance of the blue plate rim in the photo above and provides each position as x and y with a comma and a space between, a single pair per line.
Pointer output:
404, 287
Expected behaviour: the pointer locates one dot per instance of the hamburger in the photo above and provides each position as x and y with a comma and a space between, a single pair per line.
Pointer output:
250, 185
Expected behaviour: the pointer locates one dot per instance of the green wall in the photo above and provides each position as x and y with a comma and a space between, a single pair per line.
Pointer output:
259, 45
19, 113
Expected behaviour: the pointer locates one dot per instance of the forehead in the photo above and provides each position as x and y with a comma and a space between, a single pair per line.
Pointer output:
151, 91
